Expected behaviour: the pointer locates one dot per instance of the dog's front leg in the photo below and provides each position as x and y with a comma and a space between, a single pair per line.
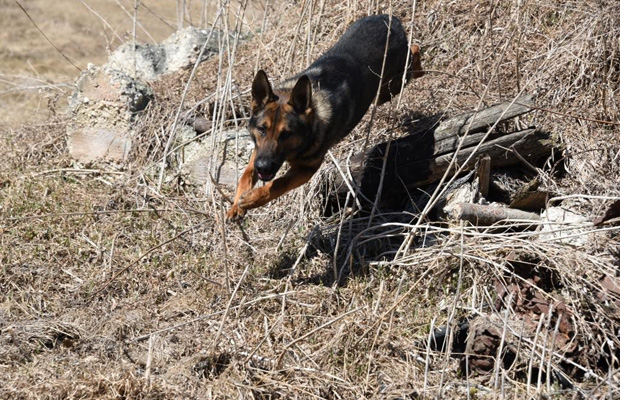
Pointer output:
294, 177
246, 183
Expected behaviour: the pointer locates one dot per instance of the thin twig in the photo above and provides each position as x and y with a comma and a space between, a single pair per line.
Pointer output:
172, 133
46, 38
312, 332
136, 261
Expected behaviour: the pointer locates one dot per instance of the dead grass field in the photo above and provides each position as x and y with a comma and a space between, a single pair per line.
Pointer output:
113, 289
30, 64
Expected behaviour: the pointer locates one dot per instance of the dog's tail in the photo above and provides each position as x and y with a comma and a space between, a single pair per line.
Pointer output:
414, 70
415, 67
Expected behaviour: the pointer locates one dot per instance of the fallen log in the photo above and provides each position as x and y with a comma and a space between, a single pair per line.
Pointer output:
413, 173
423, 156
449, 133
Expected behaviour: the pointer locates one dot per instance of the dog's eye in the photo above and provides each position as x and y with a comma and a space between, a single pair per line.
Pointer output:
261, 130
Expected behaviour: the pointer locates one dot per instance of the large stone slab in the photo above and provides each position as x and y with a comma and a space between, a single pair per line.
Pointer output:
224, 158
108, 98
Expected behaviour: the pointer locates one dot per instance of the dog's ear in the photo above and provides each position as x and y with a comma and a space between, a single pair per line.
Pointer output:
261, 90
301, 96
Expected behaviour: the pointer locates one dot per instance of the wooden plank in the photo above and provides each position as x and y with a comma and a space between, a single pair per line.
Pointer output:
483, 172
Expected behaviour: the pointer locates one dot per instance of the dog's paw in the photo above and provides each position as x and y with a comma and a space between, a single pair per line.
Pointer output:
254, 198
235, 213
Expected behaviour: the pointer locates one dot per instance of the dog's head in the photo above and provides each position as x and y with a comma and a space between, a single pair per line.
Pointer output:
280, 125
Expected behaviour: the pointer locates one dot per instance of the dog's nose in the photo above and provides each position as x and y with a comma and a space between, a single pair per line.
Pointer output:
266, 168
263, 164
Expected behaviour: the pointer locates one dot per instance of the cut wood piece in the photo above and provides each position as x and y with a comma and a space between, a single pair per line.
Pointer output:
529, 197
530, 201
479, 214
483, 173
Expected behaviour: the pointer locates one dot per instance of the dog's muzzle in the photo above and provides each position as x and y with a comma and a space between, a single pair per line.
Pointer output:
266, 168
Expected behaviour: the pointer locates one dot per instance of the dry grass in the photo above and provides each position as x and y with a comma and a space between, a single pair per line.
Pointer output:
113, 288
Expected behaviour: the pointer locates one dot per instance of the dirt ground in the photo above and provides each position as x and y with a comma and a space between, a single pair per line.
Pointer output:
115, 287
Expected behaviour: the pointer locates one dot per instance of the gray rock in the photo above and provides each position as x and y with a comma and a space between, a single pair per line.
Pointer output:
223, 159
149, 61
107, 99
563, 225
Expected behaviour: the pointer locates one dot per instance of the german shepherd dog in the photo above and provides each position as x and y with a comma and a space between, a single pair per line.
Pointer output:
300, 119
